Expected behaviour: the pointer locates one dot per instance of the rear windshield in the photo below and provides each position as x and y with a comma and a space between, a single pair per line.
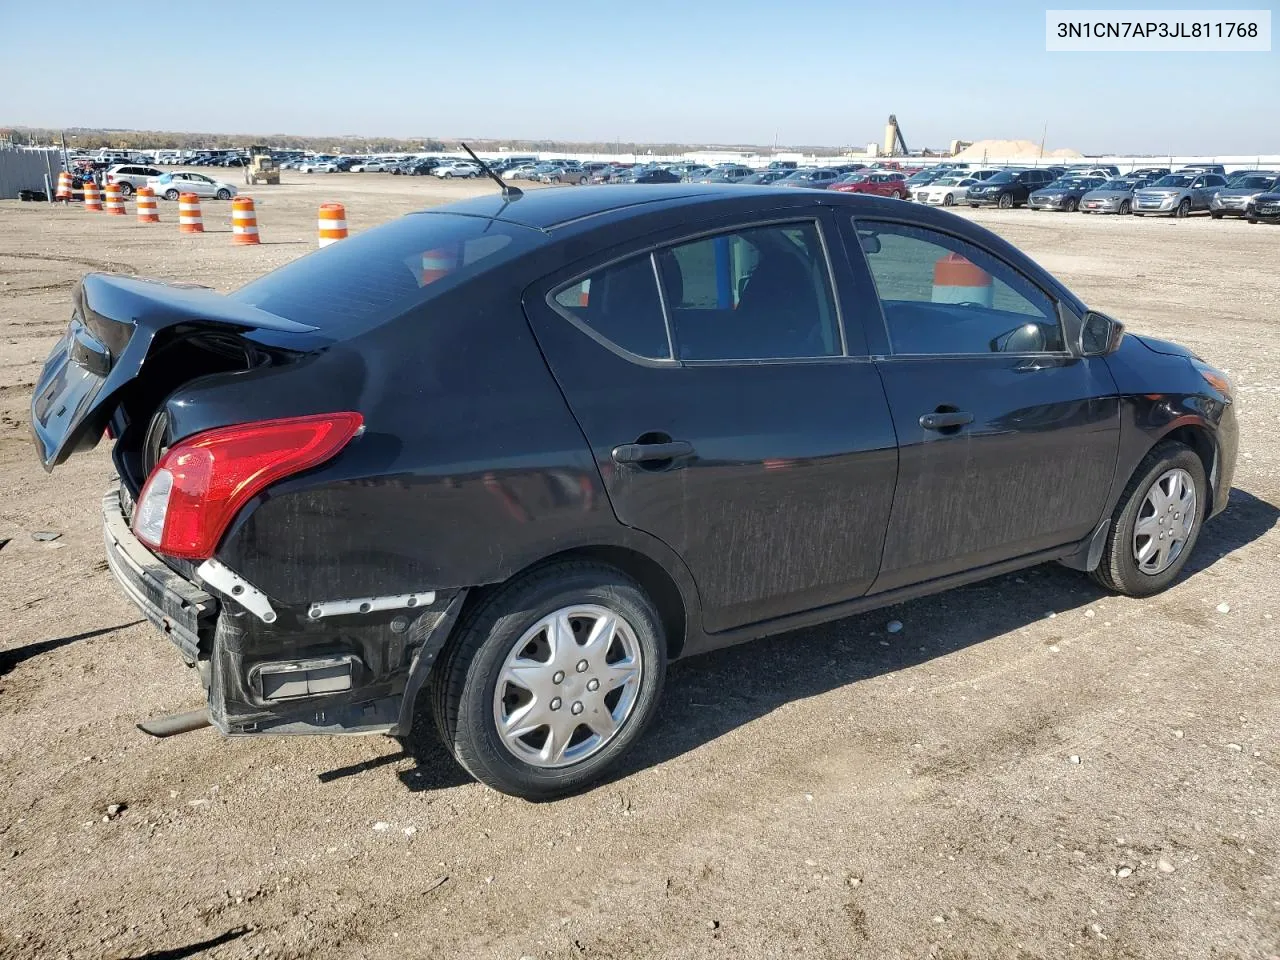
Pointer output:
358, 283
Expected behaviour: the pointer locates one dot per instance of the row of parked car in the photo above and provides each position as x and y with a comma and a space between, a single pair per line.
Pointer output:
1150, 191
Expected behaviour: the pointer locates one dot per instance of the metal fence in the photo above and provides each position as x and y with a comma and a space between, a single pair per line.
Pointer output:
26, 170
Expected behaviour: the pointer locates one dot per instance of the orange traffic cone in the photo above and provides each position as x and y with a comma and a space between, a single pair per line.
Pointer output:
115, 206
65, 190
189, 220
148, 212
244, 221
92, 196
333, 223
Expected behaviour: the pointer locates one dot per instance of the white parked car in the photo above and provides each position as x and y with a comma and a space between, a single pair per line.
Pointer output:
456, 168
130, 176
317, 166
945, 191
170, 185
521, 171
373, 166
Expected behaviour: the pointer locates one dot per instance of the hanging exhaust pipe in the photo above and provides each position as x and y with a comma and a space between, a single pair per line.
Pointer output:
177, 723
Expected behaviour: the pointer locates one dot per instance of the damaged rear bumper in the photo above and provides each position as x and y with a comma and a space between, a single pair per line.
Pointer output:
306, 670
181, 610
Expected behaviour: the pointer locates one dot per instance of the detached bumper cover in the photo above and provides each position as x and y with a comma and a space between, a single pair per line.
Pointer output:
180, 609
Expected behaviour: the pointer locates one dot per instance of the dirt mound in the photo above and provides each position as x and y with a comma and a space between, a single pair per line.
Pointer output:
1013, 150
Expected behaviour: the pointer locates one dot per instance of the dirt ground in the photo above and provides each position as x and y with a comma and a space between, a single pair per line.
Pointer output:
1028, 769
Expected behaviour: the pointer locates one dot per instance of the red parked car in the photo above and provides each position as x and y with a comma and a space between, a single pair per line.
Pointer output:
882, 183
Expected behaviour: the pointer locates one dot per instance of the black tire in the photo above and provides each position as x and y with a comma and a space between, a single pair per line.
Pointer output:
1215, 215
948, 200
126, 189
1184, 209
1118, 570
224, 194
1006, 201
1072, 205
974, 205
1125, 208
1253, 219
462, 686
171, 194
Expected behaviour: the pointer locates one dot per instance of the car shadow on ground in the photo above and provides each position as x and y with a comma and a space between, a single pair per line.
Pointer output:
708, 696
191, 949
11, 658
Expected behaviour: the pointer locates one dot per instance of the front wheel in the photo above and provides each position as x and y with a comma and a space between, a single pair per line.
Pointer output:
223, 194
1215, 215
1125, 209
1006, 201
1072, 205
948, 200
551, 679
895, 195
1156, 523
1253, 219
1184, 210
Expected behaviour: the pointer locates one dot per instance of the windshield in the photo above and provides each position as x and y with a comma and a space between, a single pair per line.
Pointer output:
946, 181
1253, 183
1175, 180
853, 178
1004, 176
377, 275
1117, 185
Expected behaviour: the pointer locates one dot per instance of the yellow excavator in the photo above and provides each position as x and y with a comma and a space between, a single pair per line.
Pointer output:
262, 167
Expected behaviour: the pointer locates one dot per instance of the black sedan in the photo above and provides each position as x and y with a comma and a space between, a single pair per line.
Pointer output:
1065, 193
504, 460
656, 175
1264, 208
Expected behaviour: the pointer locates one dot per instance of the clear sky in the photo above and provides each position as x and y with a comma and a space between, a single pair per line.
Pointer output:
741, 71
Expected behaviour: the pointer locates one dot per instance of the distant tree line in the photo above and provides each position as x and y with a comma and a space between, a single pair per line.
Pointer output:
87, 138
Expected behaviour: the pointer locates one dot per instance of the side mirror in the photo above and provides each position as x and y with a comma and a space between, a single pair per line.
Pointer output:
1100, 335
870, 242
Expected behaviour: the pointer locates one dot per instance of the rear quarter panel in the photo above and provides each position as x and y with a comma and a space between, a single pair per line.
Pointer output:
470, 468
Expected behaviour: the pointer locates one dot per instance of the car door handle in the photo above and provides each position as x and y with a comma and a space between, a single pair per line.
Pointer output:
944, 421
648, 452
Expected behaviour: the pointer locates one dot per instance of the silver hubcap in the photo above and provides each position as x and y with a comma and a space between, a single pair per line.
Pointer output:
1165, 521
568, 686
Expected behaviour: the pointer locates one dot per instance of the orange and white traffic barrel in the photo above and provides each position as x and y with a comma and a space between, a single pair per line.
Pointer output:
189, 220
148, 212
92, 196
114, 205
333, 223
244, 221
436, 264
956, 280
65, 187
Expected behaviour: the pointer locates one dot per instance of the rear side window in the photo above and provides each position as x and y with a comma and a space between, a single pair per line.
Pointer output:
762, 293
757, 294
621, 305
355, 284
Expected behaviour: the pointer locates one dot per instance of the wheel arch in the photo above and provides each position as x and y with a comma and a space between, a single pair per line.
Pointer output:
1200, 438
672, 594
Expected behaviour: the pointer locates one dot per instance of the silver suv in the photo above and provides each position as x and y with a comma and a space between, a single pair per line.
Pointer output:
1178, 194
130, 176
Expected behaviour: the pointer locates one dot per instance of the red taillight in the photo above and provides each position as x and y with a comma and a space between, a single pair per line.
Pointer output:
201, 483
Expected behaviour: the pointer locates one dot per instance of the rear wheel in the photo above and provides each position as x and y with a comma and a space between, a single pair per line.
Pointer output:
126, 189
551, 679
1156, 523
1253, 219
895, 195
171, 194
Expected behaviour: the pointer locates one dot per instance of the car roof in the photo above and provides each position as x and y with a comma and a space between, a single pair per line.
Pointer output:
547, 209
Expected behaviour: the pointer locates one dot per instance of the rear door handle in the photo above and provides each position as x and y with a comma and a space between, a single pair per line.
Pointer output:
647, 452
942, 421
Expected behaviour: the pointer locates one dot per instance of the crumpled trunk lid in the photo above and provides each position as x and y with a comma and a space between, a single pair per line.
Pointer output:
114, 327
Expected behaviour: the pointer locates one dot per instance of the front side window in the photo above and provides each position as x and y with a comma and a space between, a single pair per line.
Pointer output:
762, 293
944, 296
